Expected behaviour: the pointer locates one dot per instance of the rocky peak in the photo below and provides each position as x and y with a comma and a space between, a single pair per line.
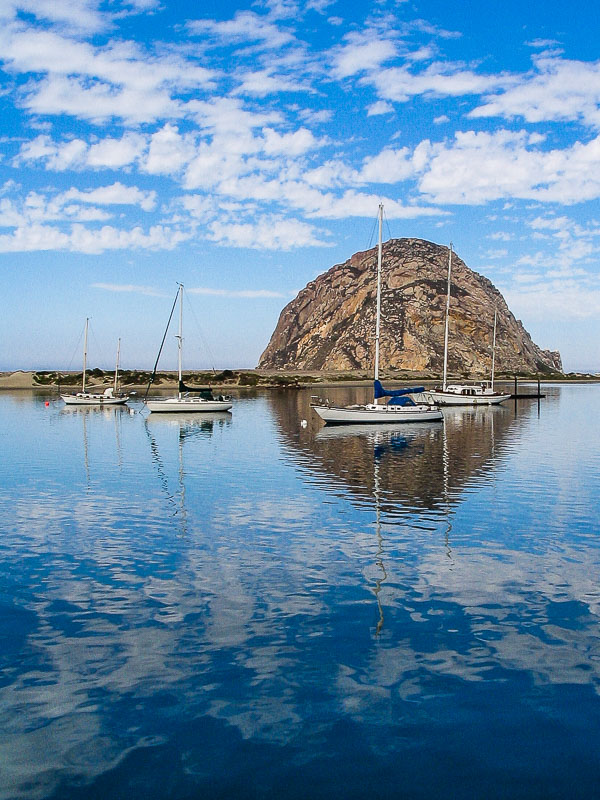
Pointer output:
331, 323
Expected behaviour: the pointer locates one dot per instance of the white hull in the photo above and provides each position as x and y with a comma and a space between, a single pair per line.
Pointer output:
89, 399
174, 405
370, 414
452, 399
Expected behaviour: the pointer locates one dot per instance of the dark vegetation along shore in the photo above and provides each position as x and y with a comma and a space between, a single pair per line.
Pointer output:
264, 378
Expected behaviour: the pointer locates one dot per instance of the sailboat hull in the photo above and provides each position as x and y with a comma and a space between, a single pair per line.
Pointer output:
174, 405
89, 399
376, 414
453, 399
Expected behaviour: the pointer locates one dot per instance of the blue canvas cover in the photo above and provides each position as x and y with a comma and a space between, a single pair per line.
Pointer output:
400, 401
381, 392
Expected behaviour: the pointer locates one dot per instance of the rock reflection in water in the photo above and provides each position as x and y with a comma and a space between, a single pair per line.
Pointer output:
422, 465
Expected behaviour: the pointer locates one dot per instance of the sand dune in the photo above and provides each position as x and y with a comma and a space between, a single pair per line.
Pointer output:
16, 380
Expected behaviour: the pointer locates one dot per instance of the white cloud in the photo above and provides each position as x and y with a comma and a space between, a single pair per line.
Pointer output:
291, 144
81, 16
556, 299
116, 194
169, 152
380, 107
271, 233
260, 83
118, 80
479, 167
130, 288
399, 84
246, 26
364, 52
388, 166
109, 153
80, 239
116, 153
557, 90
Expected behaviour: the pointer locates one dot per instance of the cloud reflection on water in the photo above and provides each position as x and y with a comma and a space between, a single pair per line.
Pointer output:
261, 612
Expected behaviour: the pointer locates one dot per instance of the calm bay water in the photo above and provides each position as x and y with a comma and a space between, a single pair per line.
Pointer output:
236, 606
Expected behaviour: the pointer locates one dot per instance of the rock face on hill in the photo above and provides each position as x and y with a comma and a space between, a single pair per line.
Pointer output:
331, 323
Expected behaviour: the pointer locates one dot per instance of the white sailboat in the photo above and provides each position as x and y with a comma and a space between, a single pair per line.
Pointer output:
109, 397
185, 401
401, 407
464, 394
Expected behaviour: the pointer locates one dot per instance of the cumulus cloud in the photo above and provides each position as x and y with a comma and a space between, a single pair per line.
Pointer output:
380, 107
556, 90
80, 16
118, 80
478, 167
246, 26
80, 239
273, 233
363, 52
399, 84
168, 151
76, 154
116, 194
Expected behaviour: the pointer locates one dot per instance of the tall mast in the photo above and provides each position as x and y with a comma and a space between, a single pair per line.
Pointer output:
117, 364
379, 259
447, 319
494, 349
85, 338
180, 336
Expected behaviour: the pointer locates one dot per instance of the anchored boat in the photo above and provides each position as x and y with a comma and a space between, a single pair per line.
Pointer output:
110, 396
401, 407
464, 394
188, 399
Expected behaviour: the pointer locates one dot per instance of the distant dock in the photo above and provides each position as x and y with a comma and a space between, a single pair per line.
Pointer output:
522, 395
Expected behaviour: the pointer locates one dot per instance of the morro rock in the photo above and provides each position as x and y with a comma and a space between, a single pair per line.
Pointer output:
331, 323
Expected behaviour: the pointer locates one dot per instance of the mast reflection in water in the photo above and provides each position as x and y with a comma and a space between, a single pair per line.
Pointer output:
248, 608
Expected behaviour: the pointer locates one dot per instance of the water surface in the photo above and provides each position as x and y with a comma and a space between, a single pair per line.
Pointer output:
235, 605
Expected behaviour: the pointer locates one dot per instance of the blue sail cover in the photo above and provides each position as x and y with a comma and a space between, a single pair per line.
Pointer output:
381, 392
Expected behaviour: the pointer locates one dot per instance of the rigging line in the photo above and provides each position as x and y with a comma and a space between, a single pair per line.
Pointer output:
96, 344
76, 349
387, 222
200, 334
373, 229
150, 382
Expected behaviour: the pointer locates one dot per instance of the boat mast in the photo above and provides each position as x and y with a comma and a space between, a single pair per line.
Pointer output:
494, 350
447, 319
379, 259
180, 337
117, 365
85, 338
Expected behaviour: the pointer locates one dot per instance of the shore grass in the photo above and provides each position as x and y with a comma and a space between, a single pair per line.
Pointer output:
255, 378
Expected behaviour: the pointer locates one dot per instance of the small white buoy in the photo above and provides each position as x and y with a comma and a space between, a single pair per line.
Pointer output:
303, 424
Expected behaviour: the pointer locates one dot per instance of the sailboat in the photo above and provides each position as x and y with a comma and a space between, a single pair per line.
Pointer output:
464, 394
109, 397
400, 407
185, 401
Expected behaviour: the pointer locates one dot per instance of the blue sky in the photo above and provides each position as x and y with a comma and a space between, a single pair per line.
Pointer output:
242, 148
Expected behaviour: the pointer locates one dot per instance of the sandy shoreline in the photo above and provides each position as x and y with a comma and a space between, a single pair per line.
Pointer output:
254, 379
